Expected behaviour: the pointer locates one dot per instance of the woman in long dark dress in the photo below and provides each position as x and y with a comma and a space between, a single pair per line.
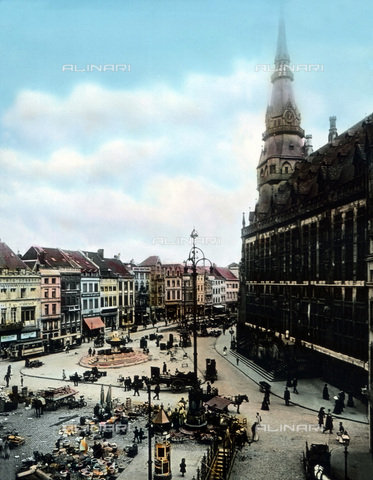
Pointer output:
182, 467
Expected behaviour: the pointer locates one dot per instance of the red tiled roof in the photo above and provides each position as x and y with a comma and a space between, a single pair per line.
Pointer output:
150, 261
117, 266
8, 259
226, 273
84, 263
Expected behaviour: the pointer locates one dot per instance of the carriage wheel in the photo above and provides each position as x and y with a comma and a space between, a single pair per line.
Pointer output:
177, 385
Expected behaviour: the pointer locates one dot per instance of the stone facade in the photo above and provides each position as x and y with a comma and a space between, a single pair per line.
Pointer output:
306, 268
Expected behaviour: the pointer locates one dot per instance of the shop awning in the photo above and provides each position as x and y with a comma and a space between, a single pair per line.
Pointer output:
218, 403
94, 322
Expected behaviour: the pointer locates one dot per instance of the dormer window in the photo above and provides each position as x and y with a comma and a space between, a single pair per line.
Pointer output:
291, 146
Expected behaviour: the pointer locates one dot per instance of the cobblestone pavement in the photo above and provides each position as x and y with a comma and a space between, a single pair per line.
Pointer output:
282, 436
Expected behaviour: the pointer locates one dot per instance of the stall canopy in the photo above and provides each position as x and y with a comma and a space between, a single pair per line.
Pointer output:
94, 322
218, 403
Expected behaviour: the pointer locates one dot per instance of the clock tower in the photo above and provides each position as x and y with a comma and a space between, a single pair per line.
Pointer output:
283, 139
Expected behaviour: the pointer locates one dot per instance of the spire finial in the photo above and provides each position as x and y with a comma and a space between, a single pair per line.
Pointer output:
282, 49
282, 59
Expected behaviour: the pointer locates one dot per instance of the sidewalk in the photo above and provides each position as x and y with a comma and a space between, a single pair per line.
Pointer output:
360, 463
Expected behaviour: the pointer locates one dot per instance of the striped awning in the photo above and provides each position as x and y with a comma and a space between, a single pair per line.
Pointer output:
94, 322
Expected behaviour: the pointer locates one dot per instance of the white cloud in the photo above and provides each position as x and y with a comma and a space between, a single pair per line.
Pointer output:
116, 169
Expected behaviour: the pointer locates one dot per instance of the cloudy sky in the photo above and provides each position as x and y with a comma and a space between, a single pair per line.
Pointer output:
131, 161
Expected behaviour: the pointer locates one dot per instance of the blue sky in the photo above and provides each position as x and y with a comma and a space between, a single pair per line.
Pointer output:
132, 161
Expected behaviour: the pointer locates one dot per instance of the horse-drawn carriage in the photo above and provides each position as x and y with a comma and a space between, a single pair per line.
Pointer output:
177, 382
316, 461
88, 376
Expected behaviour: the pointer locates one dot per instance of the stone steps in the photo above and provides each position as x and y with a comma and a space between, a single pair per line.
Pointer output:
268, 376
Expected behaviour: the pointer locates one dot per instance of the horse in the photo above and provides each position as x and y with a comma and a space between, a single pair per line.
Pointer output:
238, 400
38, 404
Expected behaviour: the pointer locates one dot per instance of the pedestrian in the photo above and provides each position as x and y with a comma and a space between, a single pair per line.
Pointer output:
157, 389
21, 380
96, 410
164, 371
127, 384
321, 416
258, 419
225, 351
287, 396
325, 392
141, 435
63, 374
237, 360
6, 449
208, 388
136, 435
338, 406
254, 432
136, 389
267, 395
341, 430
93, 352
182, 467
265, 405
7, 378
76, 379
295, 384
90, 351
328, 423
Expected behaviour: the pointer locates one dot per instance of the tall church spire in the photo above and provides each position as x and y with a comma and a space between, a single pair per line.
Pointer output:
282, 56
283, 138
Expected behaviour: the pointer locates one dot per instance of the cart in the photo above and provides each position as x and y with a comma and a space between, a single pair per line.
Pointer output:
316, 461
211, 372
178, 382
58, 397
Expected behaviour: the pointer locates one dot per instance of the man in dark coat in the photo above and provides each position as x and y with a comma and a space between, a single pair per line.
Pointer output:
287, 396
295, 384
328, 423
157, 389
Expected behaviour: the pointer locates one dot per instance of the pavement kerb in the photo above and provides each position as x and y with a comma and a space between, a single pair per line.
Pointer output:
296, 404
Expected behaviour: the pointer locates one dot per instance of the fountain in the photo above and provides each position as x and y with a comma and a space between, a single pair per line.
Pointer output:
118, 355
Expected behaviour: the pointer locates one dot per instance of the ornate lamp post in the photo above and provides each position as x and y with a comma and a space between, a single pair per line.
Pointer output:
233, 343
196, 256
196, 414
346, 442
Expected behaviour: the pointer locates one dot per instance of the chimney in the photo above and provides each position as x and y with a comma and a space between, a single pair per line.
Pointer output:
308, 146
333, 129
100, 253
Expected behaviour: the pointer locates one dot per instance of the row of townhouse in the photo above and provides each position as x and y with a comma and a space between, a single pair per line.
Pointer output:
171, 289
54, 297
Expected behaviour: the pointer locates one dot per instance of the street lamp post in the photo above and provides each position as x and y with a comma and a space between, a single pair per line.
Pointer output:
196, 417
345, 441
231, 331
196, 256
149, 432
